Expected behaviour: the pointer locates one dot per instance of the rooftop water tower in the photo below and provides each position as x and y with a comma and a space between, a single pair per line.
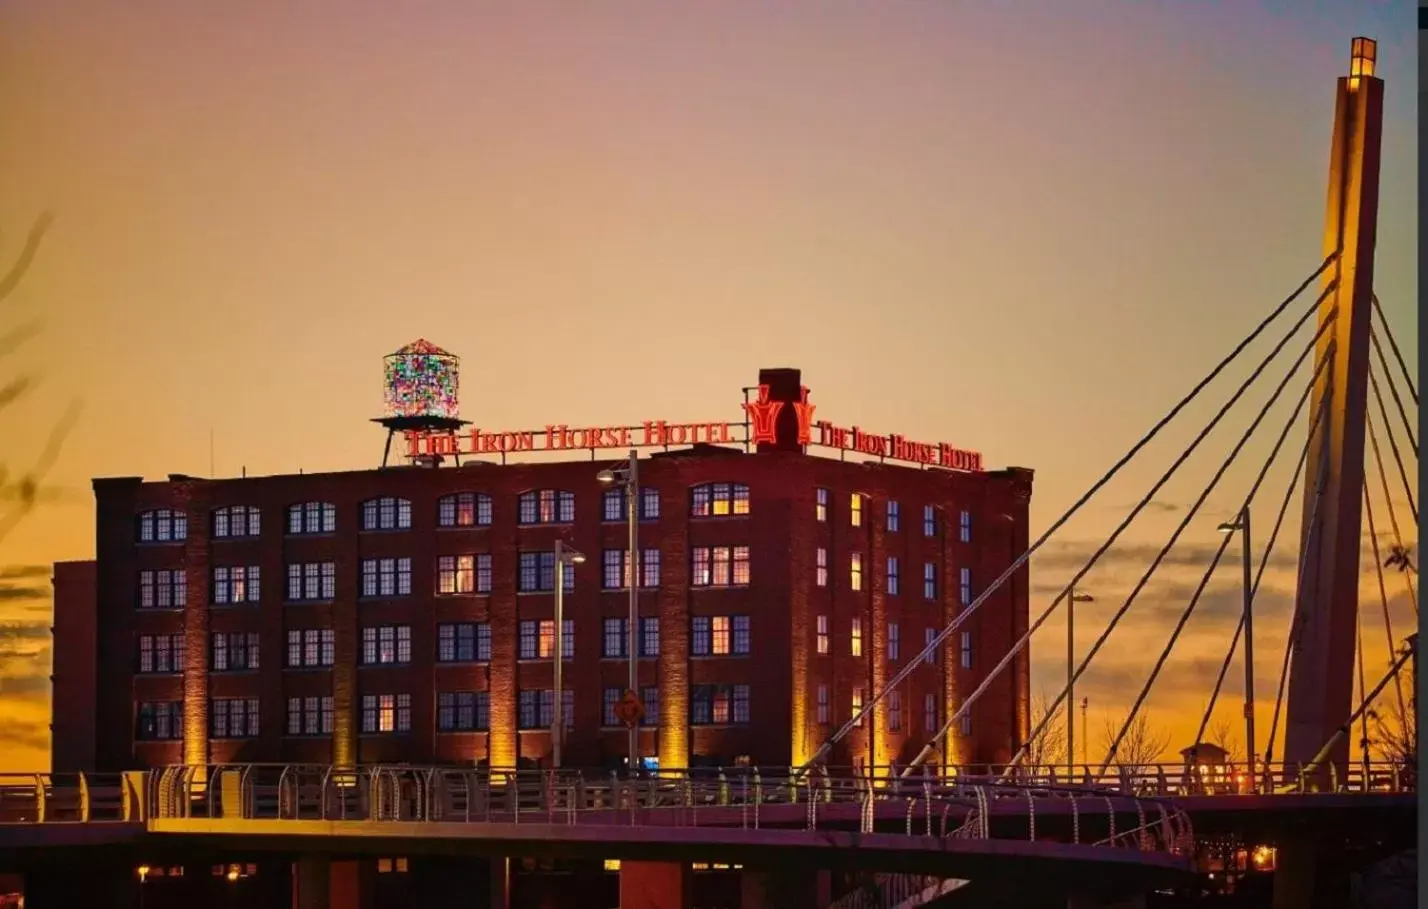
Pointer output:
421, 392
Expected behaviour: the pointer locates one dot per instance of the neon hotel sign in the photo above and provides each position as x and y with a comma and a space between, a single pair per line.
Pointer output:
760, 428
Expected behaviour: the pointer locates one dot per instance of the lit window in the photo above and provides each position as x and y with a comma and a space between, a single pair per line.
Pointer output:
238, 584
613, 644
858, 704
894, 517
855, 510
546, 506
855, 571
822, 641
894, 582
615, 569
718, 705
716, 500
463, 509
463, 574
386, 713
536, 640
820, 504
823, 708
929, 520
894, 642
720, 566
820, 576
719, 635
964, 526
857, 637
386, 644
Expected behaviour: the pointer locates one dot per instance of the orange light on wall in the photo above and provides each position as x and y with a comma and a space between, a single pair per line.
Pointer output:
1363, 58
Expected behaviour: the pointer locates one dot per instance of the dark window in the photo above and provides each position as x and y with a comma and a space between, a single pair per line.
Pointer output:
464, 509
312, 517
162, 525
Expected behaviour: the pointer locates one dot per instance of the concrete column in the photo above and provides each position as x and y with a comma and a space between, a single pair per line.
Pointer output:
785, 890
654, 885
500, 883
319, 883
312, 883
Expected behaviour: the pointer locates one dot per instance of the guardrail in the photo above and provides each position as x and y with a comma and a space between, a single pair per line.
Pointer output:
748, 798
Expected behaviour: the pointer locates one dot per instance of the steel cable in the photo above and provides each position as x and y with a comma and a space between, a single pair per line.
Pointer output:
1397, 354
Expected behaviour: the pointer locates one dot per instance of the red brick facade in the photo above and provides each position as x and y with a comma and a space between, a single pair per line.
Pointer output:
785, 529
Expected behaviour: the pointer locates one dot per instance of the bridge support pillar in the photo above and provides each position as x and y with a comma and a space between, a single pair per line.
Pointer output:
785, 890
319, 883
654, 885
1307, 876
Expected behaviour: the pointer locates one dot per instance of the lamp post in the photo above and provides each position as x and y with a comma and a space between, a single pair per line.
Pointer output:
1085, 727
629, 477
564, 555
1071, 602
1242, 524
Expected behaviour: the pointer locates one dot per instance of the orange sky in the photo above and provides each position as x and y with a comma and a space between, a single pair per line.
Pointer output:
1023, 228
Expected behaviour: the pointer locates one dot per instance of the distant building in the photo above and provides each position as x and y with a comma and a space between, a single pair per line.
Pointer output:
406, 614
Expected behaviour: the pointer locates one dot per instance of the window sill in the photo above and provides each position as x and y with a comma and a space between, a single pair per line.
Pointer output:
318, 602
625, 659
406, 529
228, 672
327, 668
464, 595
238, 605
532, 660
391, 665
160, 608
719, 656
745, 725
309, 736
232, 738
541, 593
465, 663
147, 544
384, 735
544, 730
694, 587
237, 539
462, 731
310, 534
441, 527
154, 673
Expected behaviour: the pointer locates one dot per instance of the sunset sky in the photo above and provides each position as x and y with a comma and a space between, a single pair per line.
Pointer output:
1023, 228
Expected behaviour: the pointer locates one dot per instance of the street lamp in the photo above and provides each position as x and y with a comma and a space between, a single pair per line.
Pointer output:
564, 556
1071, 602
1242, 524
628, 476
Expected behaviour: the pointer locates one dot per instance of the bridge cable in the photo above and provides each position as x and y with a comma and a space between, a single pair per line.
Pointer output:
1259, 575
1387, 496
1398, 355
1215, 562
1393, 447
1383, 595
1363, 689
1310, 535
1393, 390
1021, 643
932, 646
1343, 730
1174, 537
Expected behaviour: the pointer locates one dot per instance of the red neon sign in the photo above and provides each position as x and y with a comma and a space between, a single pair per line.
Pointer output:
561, 437
763, 418
897, 448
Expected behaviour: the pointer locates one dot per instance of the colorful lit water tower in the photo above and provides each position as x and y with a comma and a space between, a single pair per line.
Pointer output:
421, 392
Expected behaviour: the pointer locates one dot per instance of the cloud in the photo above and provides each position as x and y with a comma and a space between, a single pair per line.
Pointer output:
1073, 555
18, 583
24, 572
18, 734
19, 592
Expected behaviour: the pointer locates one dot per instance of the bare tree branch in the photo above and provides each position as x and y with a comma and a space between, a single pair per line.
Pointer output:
1049, 749
1222, 736
22, 264
1143, 744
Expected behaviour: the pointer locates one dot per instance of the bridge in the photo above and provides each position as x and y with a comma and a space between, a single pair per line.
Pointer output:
935, 833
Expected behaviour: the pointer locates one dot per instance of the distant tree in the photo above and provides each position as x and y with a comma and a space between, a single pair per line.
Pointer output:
1396, 736
1222, 735
1049, 748
1143, 744
20, 488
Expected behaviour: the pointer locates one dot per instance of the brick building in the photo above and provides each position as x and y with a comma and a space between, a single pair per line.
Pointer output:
406, 613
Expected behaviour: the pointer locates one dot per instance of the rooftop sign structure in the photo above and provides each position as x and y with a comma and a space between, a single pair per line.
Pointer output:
777, 417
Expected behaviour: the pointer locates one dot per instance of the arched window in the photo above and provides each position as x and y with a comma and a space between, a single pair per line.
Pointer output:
464, 509
547, 506
235, 521
162, 525
386, 513
719, 500
312, 517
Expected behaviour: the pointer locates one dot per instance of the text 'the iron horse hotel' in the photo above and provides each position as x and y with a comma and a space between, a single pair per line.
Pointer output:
407, 614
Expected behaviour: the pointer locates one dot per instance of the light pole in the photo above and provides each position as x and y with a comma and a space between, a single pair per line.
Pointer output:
564, 555
629, 476
1071, 602
1085, 727
1242, 524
